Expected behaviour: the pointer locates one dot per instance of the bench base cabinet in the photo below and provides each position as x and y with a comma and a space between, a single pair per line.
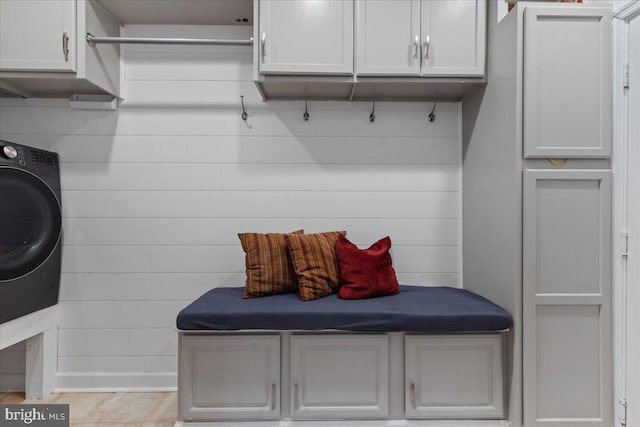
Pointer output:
456, 376
327, 375
339, 376
232, 377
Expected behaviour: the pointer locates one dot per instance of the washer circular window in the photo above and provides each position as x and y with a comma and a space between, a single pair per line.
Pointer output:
30, 223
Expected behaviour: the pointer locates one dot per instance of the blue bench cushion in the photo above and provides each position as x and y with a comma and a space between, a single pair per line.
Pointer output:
414, 309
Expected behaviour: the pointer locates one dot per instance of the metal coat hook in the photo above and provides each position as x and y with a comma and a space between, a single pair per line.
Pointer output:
244, 115
432, 114
372, 116
306, 114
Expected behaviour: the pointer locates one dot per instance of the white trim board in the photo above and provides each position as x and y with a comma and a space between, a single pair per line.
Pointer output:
76, 382
622, 181
40, 330
27, 326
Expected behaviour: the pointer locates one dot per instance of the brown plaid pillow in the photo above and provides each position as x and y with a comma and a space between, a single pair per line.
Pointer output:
268, 264
315, 263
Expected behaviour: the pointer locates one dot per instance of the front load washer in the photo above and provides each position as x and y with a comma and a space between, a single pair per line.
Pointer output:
30, 230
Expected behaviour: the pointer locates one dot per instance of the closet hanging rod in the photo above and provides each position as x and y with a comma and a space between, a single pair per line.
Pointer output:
93, 40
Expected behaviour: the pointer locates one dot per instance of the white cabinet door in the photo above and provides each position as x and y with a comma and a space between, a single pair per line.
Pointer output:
453, 37
306, 37
567, 298
229, 378
339, 376
453, 376
567, 82
37, 35
388, 37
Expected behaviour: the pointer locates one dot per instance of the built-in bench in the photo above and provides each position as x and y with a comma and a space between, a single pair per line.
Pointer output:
425, 353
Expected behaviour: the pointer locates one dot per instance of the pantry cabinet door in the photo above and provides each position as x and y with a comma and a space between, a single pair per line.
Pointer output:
567, 298
339, 376
37, 35
229, 378
306, 37
453, 37
388, 37
567, 81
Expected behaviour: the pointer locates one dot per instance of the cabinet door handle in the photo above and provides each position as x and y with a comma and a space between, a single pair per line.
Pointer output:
296, 397
416, 47
427, 47
413, 396
273, 397
65, 46
263, 43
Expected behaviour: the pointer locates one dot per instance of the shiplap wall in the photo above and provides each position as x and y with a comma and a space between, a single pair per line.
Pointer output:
155, 193
13, 367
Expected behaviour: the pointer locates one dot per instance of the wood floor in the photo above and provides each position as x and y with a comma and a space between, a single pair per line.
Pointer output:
111, 409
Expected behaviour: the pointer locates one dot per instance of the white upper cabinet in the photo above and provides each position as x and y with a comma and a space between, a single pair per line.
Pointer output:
567, 82
38, 35
306, 37
43, 51
430, 38
388, 37
453, 37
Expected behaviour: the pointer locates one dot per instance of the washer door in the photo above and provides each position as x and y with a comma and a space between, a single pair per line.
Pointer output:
30, 223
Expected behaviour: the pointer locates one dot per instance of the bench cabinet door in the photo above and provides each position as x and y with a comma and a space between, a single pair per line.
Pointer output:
229, 377
453, 376
339, 376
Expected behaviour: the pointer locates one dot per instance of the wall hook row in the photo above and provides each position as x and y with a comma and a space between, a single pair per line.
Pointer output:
306, 114
244, 115
432, 114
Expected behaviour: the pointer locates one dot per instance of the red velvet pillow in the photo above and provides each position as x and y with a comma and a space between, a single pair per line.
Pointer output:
366, 273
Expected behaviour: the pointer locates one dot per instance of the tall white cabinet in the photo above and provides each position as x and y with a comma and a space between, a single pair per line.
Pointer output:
537, 191
567, 83
567, 297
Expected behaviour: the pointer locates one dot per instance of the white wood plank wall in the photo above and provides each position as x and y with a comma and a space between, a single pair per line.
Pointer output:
155, 193
13, 362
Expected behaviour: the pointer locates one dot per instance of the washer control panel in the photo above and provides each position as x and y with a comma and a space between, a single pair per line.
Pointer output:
9, 152
28, 157
43, 158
